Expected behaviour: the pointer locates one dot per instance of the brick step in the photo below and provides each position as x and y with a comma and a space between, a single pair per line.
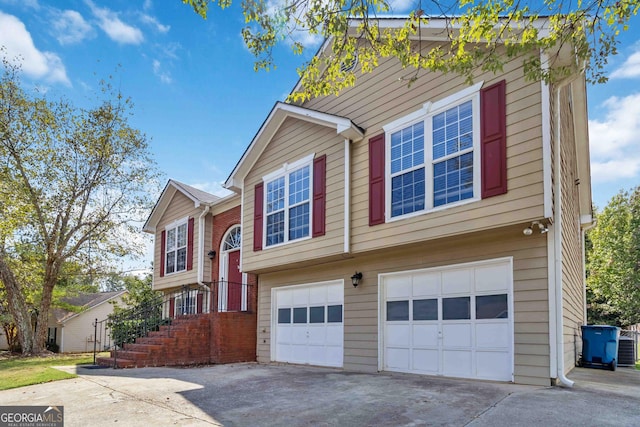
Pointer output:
142, 347
130, 355
121, 363
158, 340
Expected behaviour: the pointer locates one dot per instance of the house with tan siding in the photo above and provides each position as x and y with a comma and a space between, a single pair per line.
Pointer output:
435, 229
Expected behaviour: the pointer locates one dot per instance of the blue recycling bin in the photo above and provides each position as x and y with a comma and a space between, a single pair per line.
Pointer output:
600, 346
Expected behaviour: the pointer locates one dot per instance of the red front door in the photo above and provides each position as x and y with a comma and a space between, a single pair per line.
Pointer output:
234, 285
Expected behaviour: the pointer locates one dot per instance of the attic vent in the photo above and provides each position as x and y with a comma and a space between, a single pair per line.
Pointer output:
349, 65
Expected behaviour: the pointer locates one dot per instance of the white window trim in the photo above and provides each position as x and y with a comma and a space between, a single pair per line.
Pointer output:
428, 110
283, 172
174, 225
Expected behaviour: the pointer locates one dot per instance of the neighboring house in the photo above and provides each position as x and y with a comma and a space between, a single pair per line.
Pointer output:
197, 256
4, 345
460, 207
73, 331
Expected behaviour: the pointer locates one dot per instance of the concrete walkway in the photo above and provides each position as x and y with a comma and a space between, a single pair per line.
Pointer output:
259, 395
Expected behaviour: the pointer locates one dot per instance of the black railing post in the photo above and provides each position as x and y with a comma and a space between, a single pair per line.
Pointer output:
95, 339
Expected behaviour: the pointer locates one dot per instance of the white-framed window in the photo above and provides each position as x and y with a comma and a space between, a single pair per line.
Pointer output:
287, 207
176, 247
433, 156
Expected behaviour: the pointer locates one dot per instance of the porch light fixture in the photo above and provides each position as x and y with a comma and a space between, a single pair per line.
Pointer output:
211, 254
355, 279
535, 225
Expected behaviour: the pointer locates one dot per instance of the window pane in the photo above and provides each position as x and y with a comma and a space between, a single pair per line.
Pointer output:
181, 263
397, 310
300, 315
284, 315
299, 186
453, 180
407, 192
171, 239
171, 262
233, 239
299, 221
334, 313
275, 195
407, 148
316, 314
492, 307
182, 235
425, 309
275, 228
456, 308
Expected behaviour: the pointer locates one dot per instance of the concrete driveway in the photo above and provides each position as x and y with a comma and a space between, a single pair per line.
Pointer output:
266, 395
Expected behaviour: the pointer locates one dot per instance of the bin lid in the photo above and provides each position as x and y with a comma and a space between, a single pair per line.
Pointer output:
599, 327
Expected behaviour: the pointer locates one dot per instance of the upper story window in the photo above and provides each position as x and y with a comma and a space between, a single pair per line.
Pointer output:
433, 155
288, 203
176, 248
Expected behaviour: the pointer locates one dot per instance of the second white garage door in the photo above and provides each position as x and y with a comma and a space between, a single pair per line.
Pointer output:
454, 321
307, 324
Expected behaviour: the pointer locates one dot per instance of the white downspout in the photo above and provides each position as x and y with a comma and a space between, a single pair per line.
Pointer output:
584, 266
347, 196
558, 253
201, 247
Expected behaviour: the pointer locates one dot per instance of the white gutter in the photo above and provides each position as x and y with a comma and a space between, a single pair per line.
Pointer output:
201, 246
557, 304
546, 141
347, 196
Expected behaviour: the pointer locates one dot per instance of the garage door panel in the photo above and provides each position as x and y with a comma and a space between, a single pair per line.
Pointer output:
284, 334
492, 335
317, 295
335, 294
398, 335
398, 287
456, 363
457, 335
425, 361
334, 356
317, 335
491, 278
299, 353
301, 296
285, 298
425, 335
456, 282
397, 358
426, 284
334, 335
493, 365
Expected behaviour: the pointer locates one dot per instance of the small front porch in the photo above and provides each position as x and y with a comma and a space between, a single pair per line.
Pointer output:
188, 326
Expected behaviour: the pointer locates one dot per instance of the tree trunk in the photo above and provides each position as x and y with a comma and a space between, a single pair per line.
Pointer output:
40, 342
17, 307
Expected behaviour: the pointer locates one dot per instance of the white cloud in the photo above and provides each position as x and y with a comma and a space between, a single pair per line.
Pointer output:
289, 30
111, 24
35, 63
615, 140
163, 75
214, 188
630, 68
70, 27
147, 5
402, 5
28, 3
150, 20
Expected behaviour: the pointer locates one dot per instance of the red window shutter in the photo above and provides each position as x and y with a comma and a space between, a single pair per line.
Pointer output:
319, 195
172, 307
258, 201
376, 180
493, 139
190, 244
163, 251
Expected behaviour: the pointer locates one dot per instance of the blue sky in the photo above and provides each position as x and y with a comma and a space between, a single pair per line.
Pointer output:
199, 101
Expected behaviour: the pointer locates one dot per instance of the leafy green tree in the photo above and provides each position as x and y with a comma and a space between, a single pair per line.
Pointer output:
72, 181
476, 29
613, 282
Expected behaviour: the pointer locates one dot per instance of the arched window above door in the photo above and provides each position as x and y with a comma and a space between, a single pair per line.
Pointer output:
232, 239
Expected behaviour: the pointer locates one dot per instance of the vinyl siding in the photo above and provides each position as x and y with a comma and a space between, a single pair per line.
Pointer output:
380, 98
294, 140
361, 304
179, 207
77, 334
572, 269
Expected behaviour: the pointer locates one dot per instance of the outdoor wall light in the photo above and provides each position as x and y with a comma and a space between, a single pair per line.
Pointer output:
355, 279
211, 254
535, 225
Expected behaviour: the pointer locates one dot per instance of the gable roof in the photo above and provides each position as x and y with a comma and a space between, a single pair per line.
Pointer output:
198, 197
277, 116
86, 301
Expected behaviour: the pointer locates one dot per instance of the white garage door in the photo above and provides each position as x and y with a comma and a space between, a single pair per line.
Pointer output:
308, 324
454, 321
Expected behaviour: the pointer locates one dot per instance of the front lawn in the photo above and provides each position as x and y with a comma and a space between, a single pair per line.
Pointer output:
17, 371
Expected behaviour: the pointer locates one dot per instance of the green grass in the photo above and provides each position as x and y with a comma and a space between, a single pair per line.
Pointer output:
21, 371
